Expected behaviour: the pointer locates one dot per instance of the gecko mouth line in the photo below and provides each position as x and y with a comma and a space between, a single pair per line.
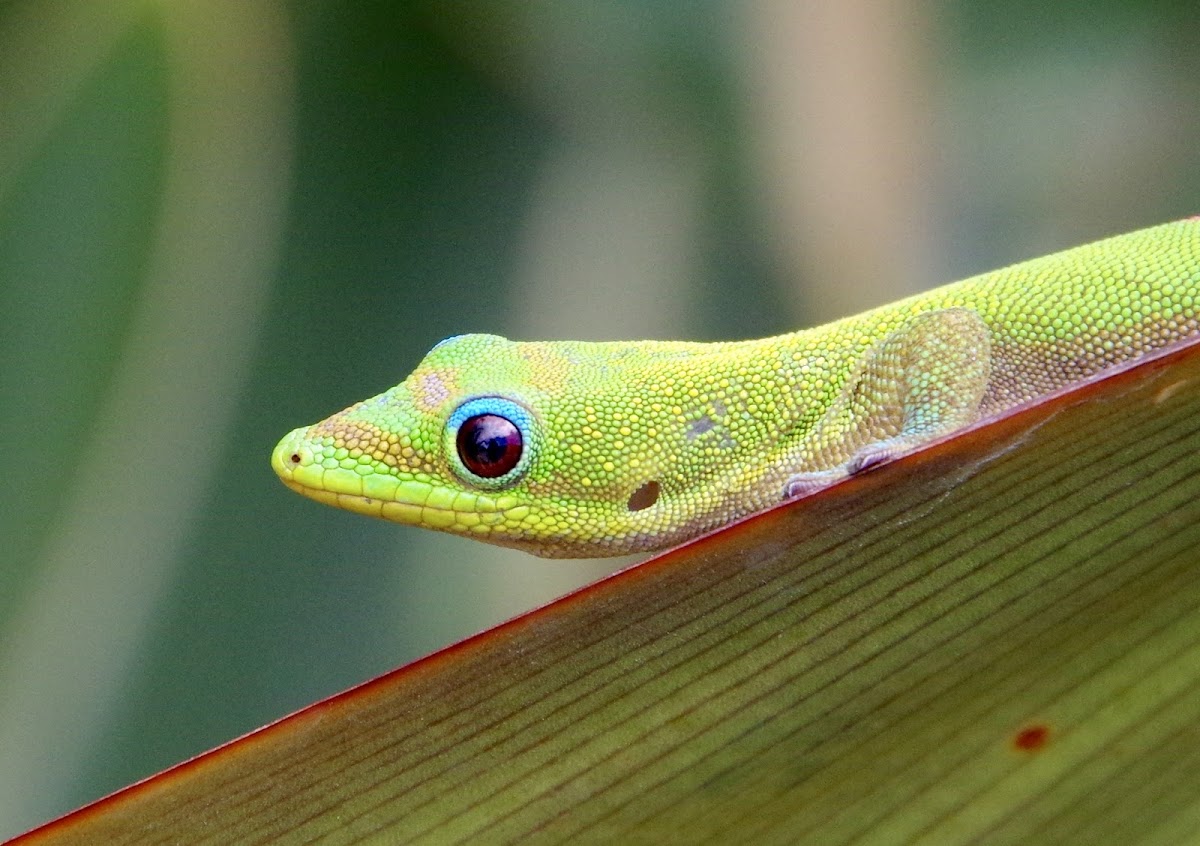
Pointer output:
411, 513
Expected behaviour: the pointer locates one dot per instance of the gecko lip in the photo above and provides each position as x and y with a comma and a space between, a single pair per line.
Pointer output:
349, 501
406, 512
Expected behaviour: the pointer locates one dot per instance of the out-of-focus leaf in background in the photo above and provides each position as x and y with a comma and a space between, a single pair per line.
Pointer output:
140, 223
219, 220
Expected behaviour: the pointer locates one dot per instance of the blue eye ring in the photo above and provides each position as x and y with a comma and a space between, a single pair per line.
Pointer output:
490, 442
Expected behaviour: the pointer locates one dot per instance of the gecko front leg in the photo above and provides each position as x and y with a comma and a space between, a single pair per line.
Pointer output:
923, 380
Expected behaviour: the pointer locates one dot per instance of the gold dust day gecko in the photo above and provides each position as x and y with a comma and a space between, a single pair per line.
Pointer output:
572, 449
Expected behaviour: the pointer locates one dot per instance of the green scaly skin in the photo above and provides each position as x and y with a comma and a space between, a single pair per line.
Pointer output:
631, 446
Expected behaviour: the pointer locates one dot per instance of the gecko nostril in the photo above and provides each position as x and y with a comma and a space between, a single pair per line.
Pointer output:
645, 496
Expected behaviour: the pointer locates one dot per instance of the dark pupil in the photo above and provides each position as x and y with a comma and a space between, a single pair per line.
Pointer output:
489, 445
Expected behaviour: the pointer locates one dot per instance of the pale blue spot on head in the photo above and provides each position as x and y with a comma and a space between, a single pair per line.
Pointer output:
469, 339
445, 341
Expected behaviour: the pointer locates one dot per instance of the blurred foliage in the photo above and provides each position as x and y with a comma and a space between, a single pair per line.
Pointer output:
220, 222
71, 260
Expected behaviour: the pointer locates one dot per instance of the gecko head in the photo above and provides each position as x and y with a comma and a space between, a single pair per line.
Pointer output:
549, 447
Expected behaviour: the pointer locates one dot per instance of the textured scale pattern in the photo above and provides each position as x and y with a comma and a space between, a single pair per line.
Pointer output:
639, 445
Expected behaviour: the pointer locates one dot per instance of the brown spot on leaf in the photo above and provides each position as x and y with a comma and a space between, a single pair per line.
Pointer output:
1031, 738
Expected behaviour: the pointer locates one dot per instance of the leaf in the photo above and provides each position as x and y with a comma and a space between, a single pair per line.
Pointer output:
996, 638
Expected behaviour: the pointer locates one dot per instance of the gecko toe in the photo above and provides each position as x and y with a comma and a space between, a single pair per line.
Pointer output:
868, 460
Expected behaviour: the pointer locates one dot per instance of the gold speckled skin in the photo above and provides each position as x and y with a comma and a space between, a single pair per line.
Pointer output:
724, 429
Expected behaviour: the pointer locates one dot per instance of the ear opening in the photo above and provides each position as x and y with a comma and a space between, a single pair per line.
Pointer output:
645, 496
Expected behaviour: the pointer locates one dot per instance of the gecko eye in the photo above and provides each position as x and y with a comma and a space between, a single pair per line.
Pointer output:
490, 442
489, 445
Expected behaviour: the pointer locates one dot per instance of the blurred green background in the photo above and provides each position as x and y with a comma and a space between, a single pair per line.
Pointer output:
220, 220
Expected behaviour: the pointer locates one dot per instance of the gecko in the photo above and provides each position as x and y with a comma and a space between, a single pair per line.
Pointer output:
585, 449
